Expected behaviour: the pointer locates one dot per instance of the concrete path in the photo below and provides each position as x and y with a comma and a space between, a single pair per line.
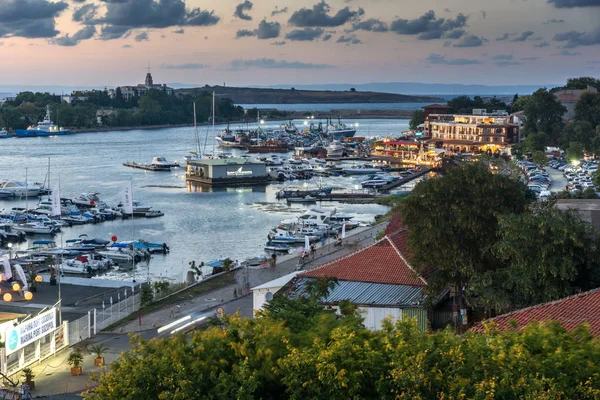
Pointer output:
356, 238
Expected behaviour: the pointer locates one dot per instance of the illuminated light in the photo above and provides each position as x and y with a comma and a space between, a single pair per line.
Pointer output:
172, 324
39, 278
187, 325
16, 286
28, 295
262, 121
7, 297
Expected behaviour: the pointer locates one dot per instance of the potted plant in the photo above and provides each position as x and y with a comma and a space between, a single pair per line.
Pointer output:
99, 350
75, 360
28, 374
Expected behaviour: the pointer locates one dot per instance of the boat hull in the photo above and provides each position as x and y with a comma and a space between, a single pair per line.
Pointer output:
346, 133
39, 133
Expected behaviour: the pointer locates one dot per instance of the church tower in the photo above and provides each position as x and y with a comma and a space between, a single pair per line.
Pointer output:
148, 79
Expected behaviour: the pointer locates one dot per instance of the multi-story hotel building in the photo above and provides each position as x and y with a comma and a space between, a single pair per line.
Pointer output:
478, 133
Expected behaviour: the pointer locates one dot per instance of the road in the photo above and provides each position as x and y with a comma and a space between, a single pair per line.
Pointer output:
559, 182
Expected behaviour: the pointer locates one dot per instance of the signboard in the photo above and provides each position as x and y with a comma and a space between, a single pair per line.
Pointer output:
220, 312
239, 172
29, 331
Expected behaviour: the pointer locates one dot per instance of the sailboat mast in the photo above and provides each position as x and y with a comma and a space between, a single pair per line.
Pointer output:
213, 125
26, 194
132, 228
196, 133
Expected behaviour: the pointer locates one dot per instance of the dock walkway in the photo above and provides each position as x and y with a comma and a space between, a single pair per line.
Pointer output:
403, 181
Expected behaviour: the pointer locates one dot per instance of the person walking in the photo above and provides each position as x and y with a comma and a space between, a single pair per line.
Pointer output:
313, 250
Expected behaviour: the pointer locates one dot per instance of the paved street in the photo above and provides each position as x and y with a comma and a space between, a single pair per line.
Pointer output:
559, 182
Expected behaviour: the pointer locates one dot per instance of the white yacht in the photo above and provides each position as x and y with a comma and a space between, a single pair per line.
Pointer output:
35, 227
20, 189
161, 163
335, 149
86, 200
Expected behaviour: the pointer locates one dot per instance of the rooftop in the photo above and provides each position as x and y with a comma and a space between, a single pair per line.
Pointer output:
279, 282
382, 262
226, 161
570, 312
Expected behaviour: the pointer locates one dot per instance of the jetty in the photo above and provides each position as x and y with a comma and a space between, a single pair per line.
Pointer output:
400, 182
147, 167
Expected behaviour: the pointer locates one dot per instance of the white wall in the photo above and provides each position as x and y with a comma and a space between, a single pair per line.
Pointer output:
259, 299
374, 315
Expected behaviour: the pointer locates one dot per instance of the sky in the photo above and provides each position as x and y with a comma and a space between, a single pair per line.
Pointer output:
268, 42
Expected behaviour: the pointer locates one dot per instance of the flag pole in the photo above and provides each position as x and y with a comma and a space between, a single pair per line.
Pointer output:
132, 228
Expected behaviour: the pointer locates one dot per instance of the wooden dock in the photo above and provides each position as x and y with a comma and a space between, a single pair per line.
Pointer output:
146, 167
403, 181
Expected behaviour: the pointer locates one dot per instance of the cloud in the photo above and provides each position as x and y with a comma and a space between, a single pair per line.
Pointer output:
30, 18
327, 37
542, 45
529, 58
86, 13
470, 41
278, 10
269, 63
279, 43
265, 30
121, 18
179, 31
350, 39
506, 63
439, 59
574, 3
127, 46
502, 57
184, 66
319, 16
567, 53
503, 37
455, 34
241, 8
574, 39
306, 34
554, 21
371, 25
85, 33
428, 26
141, 37
523, 36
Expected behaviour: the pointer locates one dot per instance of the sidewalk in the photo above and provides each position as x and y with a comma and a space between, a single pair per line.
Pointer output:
257, 276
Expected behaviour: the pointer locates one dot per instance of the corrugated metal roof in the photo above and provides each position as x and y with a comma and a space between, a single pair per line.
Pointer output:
373, 294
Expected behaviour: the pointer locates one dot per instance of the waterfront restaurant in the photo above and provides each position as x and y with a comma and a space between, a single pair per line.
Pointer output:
405, 151
226, 172
477, 133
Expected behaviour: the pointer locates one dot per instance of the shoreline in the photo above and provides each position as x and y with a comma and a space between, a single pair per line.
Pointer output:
346, 114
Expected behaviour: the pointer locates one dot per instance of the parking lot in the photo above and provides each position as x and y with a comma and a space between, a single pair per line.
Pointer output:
558, 175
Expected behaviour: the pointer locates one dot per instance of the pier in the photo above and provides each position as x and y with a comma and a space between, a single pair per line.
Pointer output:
147, 167
341, 197
403, 181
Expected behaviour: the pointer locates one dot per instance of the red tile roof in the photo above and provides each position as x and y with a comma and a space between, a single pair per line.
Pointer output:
570, 312
395, 224
382, 262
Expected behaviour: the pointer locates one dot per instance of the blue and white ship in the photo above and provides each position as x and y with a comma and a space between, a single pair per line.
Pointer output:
44, 128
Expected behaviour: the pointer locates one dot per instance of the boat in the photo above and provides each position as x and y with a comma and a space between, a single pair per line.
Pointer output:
5, 194
290, 127
119, 254
271, 246
284, 194
32, 228
336, 149
161, 164
4, 134
141, 245
360, 170
7, 234
305, 199
340, 130
279, 235
268, 147
86, 200
138, 208
20, 189
43, 128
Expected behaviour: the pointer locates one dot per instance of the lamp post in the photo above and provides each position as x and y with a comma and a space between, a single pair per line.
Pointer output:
10, 250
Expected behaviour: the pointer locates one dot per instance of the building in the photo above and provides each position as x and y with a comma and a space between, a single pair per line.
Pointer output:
265, 292
226, 172
588, 209
127, 92
434, 109
570, 312
73, 98
569, 98
478, 133
406, 151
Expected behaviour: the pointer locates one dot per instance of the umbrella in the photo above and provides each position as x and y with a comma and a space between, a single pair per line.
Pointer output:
306, 244
344, 231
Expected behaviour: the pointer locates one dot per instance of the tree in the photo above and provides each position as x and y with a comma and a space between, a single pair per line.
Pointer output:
543, 113
519, 103
564, 262
574, 151
578, 84
539, 158
581, 132
588, 108
417, 119
453, 221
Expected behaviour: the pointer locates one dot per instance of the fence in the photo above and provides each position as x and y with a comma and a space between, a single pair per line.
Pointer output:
98, 319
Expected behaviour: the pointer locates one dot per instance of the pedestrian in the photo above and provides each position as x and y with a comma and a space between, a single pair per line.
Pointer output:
273, 260
313, 250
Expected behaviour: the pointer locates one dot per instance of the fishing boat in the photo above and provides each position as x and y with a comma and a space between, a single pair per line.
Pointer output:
43, 128
272, 246
4, 134
340, 130
305, 199
268, 147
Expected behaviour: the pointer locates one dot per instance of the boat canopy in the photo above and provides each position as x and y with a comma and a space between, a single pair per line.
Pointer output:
39, 242
214, 263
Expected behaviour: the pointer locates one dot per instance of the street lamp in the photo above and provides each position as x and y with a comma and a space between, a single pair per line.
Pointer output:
10, 250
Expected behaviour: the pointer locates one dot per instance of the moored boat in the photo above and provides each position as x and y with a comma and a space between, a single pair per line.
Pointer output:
272, 246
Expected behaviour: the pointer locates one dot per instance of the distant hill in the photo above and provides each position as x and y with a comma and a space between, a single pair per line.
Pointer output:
241, 95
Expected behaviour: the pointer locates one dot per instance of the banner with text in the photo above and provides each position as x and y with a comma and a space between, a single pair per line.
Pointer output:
29, 331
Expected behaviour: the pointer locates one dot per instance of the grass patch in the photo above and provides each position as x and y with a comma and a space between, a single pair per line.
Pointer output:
219, 282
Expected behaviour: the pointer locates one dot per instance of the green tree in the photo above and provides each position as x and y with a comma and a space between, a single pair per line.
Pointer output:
536, 142
579, 84
453, 222
543, 113
563, 263
574, 151
581, 132
588, 108
519, 103
417, 119
539, 158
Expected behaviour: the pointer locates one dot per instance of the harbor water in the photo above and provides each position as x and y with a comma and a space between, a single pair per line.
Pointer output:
199, 225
